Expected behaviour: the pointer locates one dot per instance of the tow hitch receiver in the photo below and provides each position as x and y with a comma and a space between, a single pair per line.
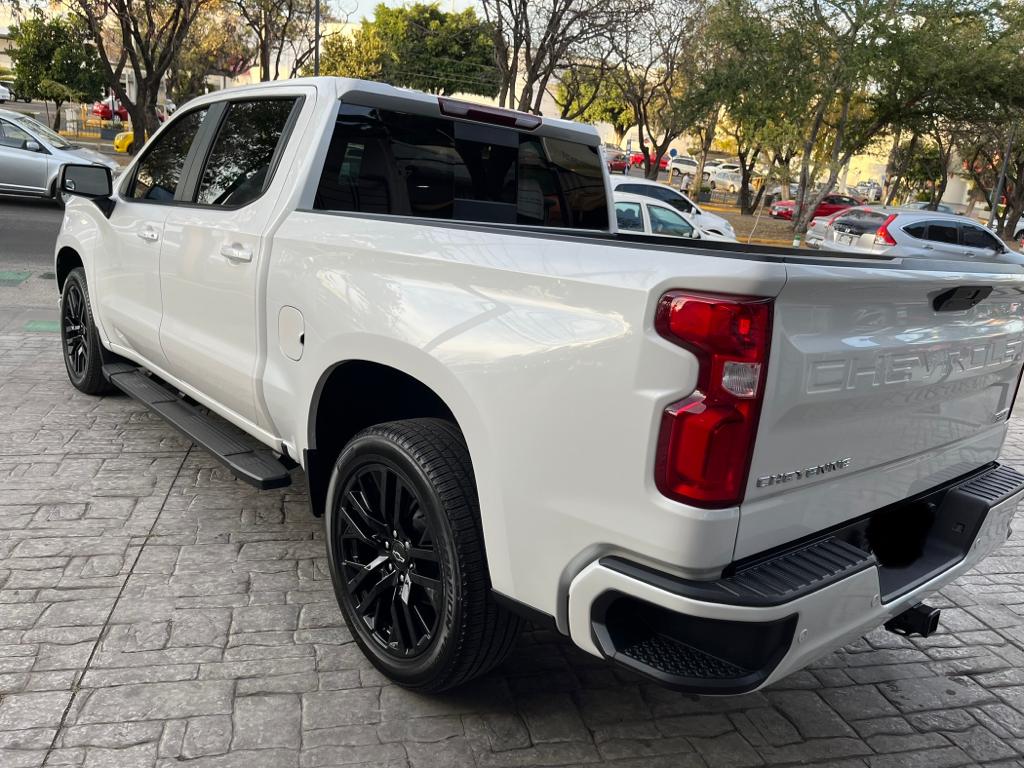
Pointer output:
919, 619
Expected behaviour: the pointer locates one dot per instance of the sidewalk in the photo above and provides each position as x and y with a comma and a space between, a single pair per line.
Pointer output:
157, 613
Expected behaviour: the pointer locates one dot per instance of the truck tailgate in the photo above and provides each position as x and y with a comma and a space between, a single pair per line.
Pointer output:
874, 394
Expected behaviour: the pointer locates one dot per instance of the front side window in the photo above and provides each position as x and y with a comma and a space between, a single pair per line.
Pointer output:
54, 138
381, 161
628, 217
667, 222
976, 237
944, 233
240, 163
12, 136
159, 171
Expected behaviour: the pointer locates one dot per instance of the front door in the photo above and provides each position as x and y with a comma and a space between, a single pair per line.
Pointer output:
212, 254
23, 162
127, 275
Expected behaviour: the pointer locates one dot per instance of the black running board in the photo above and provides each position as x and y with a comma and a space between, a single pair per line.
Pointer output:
256, 466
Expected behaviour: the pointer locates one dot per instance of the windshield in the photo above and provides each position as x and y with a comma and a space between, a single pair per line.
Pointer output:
50, 137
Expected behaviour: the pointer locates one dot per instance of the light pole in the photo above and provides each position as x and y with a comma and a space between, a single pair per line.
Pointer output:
1002, 179
316, 39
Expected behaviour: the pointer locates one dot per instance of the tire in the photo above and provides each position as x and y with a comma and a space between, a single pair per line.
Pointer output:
428, 622
712, 185
131, 149
84, 356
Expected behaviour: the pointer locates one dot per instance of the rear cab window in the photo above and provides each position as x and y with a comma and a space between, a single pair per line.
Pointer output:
391, 162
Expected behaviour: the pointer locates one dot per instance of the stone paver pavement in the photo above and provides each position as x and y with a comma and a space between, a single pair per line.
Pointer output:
155, 612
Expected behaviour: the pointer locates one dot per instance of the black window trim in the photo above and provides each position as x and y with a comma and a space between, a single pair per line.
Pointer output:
202, 147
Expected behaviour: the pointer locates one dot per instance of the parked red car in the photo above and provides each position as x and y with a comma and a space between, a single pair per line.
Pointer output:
830, 204
617, 162
103, 111
637, 158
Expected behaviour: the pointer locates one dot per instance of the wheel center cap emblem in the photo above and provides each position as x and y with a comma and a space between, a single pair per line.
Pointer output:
399, 553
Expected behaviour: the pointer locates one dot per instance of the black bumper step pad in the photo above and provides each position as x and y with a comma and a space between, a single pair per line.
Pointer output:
231, 446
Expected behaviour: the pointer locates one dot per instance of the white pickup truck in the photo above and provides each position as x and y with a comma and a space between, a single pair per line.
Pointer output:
709, 462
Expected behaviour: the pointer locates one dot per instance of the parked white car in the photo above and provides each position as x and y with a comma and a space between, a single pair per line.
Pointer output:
646, 215
684, 167
706, 221
703, 462
5, 94
724, 176
913, 234
31, 156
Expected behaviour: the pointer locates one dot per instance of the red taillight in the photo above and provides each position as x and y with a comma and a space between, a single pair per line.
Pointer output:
707, 438
510, 118
882, 236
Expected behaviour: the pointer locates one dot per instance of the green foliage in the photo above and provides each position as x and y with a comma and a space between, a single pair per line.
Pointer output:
54, 60
217, 43
418, 46
585, 93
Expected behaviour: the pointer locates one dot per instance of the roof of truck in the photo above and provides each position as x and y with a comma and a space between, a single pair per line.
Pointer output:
400, 98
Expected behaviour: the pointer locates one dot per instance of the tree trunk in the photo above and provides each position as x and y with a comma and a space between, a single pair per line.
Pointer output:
56, 118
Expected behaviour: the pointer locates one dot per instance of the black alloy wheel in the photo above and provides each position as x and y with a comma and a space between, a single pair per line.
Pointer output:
75, 331
389, 560
84, 356
406, 554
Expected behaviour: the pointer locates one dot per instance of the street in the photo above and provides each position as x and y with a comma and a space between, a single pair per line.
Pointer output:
28, 232
154, 611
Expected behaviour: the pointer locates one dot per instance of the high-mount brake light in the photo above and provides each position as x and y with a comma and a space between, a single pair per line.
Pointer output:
707, 438
882, 236
509, 118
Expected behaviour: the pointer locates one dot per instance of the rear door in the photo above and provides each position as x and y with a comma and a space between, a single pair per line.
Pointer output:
873, 395
211, 257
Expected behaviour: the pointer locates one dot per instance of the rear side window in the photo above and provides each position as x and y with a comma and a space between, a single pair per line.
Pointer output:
240, 164
628, 217
944, 233
159, 171
917, 230
976, 237
381, 161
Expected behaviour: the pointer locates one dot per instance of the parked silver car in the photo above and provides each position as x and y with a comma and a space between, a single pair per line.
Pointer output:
31, 155
898, 232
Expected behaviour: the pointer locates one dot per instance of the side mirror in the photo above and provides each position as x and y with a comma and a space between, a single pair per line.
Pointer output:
91, 181
33, 146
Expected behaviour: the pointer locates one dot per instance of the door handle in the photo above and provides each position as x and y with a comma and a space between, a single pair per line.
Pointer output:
236, 252
149, 235
927, 248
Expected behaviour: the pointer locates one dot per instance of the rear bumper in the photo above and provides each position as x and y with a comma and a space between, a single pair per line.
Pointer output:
775, 614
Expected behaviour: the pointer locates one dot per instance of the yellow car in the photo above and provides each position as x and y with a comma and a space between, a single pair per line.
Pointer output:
125, 142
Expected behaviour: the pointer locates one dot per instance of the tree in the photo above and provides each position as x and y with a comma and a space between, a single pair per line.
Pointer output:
144, 37
54, 61
283, 33
587, 92
217, 44
656, 73
534, 39
419, 46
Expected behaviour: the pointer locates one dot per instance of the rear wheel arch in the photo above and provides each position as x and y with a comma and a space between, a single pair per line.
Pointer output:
351, 396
